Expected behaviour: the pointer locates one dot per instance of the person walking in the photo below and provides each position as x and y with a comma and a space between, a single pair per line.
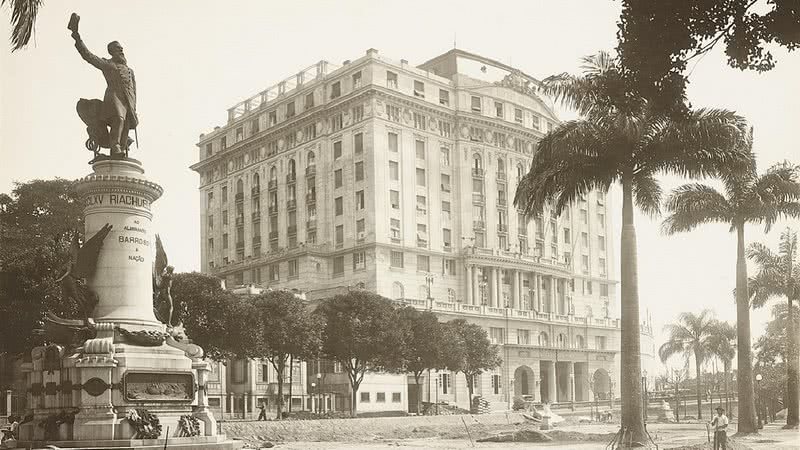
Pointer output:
720, 424
262, 415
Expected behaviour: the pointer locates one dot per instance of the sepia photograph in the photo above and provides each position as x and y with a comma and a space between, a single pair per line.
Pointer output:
368, 224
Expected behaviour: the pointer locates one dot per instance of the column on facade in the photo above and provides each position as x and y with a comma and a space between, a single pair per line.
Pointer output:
571, 368
521, 289
493, 300
476, 288
552, 294
515, 289
538, 292
552, 385
468, 285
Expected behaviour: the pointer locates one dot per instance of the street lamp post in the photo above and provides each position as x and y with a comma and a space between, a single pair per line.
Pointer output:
320, 407
760, 401
313, 388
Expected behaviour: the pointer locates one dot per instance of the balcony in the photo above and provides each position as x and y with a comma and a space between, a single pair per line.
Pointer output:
272, 185
291, 230
256, 241
502, 228
255, 191
478, 224
273, 210
501, 202
311, 224
522, 231
240, 220
291, 204
239, 197
240, 246
273, 235
478, 198
311, 170
501, 176
291, 178
477, 173
311, 199
256, 216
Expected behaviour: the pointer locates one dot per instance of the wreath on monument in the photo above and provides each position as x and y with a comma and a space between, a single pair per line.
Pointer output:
145, 423
189, 426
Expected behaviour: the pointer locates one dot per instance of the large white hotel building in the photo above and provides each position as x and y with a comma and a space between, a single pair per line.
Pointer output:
399, 179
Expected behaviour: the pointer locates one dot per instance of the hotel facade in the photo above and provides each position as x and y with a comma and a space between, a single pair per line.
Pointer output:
400, 180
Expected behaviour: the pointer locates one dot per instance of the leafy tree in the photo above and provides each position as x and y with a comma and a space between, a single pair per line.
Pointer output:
749, 199
721, 345
620, 139
38, 223
423, 347
287, 329
658, 39
771, 353
691, 336
474, 352
779, 276
224, 325
362, 333
23, 19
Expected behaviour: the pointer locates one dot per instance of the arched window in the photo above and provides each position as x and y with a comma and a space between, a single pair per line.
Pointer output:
451, 295
273, 173
477, 162
312, 159
543, 339
239, 186
256, 181
397, 290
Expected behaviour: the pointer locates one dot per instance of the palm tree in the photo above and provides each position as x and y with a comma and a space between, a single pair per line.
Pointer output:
691, 336
23, 18
621, 140
749, 199
779, 276
722, 346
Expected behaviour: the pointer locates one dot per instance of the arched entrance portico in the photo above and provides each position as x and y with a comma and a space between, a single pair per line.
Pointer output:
524, 381
601, 384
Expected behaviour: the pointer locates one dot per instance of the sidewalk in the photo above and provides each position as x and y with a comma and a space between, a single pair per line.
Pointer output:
772, 437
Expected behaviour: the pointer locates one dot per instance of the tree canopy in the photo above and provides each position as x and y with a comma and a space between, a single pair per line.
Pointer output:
472, 352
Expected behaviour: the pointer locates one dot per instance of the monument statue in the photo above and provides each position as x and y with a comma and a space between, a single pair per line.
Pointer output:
108, 121
162, 286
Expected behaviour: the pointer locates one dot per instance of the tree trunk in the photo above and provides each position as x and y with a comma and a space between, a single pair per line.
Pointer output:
291, 380
744, 379
419, 394
699, 387
354, 383
279, 371
727, 396
630, 352
792, 401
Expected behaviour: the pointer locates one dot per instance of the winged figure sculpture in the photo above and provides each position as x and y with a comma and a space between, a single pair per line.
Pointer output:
82, 266
162, 285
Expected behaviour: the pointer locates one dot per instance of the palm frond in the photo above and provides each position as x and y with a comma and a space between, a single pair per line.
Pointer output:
778, 194
23, 19
647, 193
669, 349
692, 205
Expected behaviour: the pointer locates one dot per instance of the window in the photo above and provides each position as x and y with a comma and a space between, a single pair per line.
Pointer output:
273, 118
290, 110
496, 384
476, 104
567, 236
585, 263
392, 142
446, 238
365, 397
239, 134
423, 263
336, 122
602, 264
420, 177
224, 194
337, 178
444, 97
359, 200
517, 115
446, 211
358, 143
587, 287
396, 397
391, 79
381, 397
397, 259
336, 89
210, 200
420, 121
393, 113
444, 129
394, 199
339, 206
600, 342
422, 204
584, 216
475, 134
356, 80
420, 149
225, 241
496, 335
394, 171
337, 149
310, 100
445, 382
419, 89
360, 171
395, 228
358, 113
498, 108
601, 243
445, 182
209, 150
444, 159
523, 337
274, 272
359, 260
585, 239
360, 228
500, 139
339, 235
601, 219
293, 272
603, 290
449, 267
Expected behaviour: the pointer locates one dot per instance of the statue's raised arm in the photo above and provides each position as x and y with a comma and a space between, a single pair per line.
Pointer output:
108, 121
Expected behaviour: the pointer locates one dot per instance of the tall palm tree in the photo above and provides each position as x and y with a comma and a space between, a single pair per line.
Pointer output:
749, 199
779, 276
621, 140
722, 346
23, 18
690, 336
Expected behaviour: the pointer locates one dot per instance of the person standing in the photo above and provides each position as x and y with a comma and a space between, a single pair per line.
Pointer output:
262, 415
720, 424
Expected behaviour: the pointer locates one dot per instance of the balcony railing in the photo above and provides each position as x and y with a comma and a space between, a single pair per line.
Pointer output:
291, 204
502, 228
522, 231
256, 240
501, 176
478, 198
311, 199
239, 220
478, 224
477, 173
273, 235
311, 171
501, 202
255, 191
272, 185
256, 216
239, 197
311, 224
291, 178
240, 245
273, 209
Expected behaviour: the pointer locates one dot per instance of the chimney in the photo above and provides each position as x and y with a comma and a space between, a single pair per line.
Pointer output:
372, 53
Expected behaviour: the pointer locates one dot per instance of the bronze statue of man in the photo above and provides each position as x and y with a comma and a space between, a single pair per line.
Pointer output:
118, 109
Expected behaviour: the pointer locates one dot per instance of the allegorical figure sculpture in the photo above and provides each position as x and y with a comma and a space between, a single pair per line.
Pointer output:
108, 121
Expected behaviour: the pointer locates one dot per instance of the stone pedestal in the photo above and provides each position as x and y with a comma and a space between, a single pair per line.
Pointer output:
82, 397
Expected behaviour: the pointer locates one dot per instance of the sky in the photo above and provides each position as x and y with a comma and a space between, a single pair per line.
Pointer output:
195, 59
